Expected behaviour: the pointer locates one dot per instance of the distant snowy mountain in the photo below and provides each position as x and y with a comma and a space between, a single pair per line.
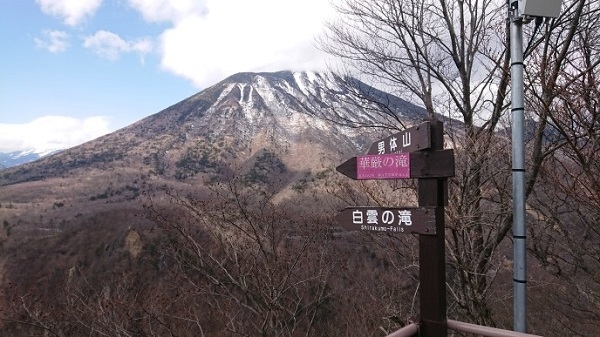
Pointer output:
15, 158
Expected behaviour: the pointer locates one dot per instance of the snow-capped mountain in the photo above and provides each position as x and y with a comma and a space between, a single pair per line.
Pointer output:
15, 158
300, 120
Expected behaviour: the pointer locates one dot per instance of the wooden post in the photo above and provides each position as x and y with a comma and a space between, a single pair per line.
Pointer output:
432, 165
432, 254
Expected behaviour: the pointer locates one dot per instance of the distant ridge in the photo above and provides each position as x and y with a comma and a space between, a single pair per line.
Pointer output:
16, 158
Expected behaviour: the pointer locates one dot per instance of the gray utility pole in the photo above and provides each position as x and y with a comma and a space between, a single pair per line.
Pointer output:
520, 12
518, 169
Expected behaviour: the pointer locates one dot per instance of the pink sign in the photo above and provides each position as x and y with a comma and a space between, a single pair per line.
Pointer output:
383, 166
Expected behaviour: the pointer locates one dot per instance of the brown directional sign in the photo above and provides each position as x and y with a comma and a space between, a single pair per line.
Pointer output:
422, 164
415, 138
419, 220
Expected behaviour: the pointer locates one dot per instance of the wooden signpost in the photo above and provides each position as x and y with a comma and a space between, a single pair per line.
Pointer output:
416, 152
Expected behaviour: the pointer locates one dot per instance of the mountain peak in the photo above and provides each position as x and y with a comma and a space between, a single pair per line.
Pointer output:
303, 119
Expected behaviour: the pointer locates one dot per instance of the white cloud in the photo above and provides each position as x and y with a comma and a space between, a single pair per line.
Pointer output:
110, 45
168, 10
54, 41
51, 133
71, 11
212, 39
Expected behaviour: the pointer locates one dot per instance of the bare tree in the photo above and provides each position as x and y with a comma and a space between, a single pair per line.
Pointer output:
267, 269
565, 207
260, 269
451, 57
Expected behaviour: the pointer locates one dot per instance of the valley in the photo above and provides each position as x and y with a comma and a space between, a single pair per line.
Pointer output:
216, 215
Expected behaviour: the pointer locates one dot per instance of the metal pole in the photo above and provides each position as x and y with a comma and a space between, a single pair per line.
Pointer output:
518, 169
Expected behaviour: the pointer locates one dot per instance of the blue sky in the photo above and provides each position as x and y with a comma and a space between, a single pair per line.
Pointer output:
73, 70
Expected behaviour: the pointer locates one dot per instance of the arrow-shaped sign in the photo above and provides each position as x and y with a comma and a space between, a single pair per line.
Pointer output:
415, 138
422, 164
390, 220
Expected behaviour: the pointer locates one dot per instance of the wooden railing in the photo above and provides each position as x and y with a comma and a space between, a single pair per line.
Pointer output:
413, 329
407, 331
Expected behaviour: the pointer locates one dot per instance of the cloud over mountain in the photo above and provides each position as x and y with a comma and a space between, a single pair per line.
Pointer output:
233, 36
50, 133
200, 41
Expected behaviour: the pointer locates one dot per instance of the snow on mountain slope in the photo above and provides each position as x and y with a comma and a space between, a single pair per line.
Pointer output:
11, 159
302, 120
